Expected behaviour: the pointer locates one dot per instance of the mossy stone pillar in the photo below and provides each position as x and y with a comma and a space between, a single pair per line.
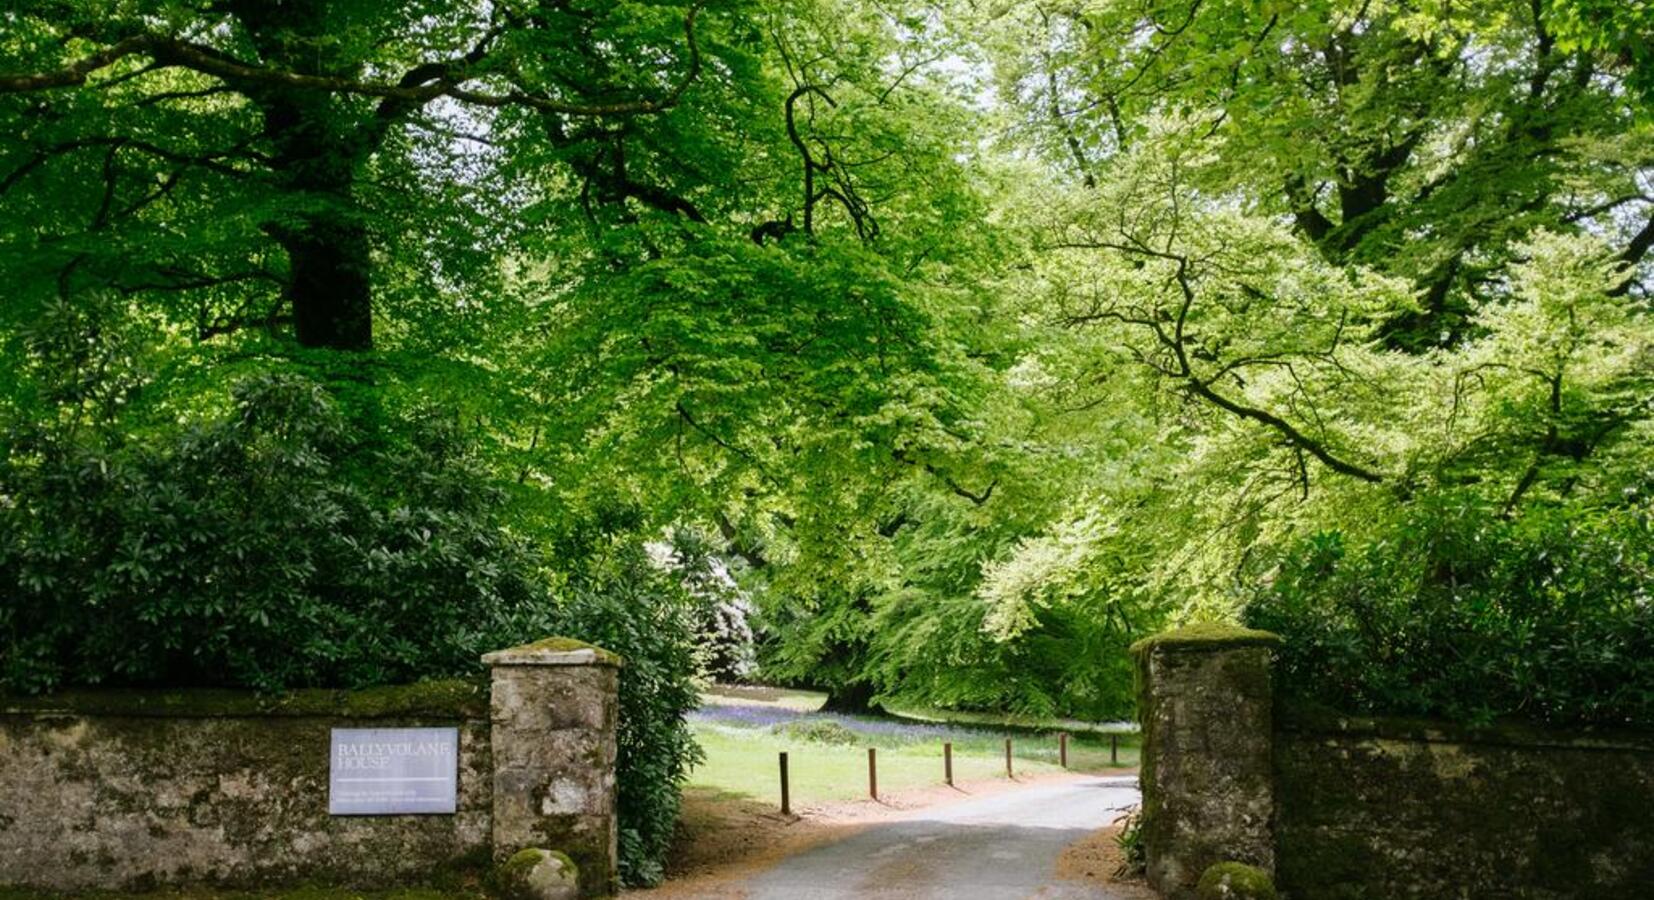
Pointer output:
1206, 704
553, 714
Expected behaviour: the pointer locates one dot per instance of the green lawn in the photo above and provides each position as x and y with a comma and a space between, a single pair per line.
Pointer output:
737, 729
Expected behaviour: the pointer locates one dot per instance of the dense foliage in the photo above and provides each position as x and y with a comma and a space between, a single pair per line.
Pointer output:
1454, 611
141, 559
277, 538
1369, 276
346, 339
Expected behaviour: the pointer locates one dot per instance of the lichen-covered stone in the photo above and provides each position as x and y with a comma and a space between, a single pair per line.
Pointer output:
1343, 808
1206, 704
453, 698
553, 651
189, 789
536, 874
1203, 635
1235, 881
1380, 808
555, 746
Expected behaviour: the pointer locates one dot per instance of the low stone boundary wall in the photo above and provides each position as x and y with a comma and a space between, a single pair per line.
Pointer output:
1342, 808
1398, 808
132, 789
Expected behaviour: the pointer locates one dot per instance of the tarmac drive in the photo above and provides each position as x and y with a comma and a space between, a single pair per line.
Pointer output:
999, 847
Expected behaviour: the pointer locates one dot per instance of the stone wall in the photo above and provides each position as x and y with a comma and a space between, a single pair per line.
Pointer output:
131, 789
1342, 808
1393, 808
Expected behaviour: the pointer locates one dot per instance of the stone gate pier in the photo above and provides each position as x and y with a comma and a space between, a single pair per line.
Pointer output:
1341, 807
1207, 710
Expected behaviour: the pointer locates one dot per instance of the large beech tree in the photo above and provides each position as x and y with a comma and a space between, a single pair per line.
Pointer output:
667, 265
274, 138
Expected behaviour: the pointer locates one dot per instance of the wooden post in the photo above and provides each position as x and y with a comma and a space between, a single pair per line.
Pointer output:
786, 800
947, 762
872, 773
1114, 749
1008, 772
1062, 749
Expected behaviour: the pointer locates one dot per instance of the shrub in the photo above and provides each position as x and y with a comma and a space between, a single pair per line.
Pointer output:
817, 731
277, 544
1456, 612
287, 542
722, 608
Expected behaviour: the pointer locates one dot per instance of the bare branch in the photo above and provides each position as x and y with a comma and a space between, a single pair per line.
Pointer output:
977, 498
1633, 254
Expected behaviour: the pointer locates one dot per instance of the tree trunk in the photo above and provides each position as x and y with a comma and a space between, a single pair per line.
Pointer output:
856, 699
329, 285
329, 280
318, 143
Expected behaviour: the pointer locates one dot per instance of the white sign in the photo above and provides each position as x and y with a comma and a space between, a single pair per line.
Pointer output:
393, 771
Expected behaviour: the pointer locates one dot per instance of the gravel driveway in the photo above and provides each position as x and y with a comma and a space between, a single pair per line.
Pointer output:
1000, 847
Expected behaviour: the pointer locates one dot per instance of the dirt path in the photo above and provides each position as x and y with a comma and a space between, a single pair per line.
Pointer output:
1042, 839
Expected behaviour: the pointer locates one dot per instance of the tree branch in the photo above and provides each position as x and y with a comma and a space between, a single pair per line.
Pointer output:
977, 498
168, 51
1641, 243
44, 155
1286, 429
